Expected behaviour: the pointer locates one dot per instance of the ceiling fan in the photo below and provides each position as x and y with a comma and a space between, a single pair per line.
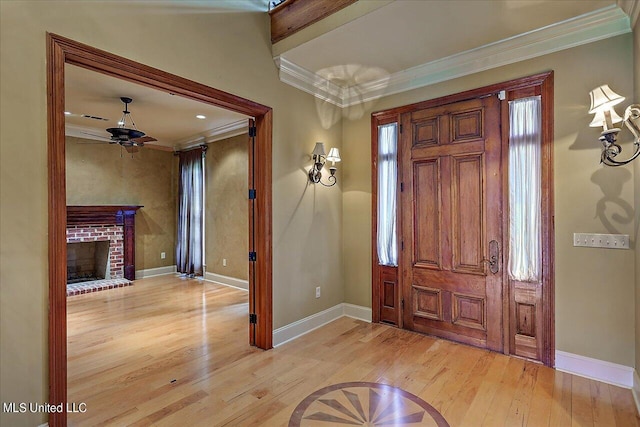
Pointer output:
128, 137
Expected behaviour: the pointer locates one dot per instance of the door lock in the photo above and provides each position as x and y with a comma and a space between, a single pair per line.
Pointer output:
494, 252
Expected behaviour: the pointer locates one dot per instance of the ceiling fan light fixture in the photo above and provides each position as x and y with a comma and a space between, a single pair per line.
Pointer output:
123, 134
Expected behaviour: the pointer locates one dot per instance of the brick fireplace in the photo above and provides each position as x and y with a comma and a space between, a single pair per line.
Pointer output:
84, 260
115, 224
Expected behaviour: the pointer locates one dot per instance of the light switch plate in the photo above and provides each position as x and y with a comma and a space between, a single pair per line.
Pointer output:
607, 241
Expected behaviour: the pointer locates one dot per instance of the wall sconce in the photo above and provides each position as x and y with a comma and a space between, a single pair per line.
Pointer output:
603, 99
319, 159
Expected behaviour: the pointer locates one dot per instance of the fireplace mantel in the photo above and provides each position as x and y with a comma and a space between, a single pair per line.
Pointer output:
123, 215
99, 215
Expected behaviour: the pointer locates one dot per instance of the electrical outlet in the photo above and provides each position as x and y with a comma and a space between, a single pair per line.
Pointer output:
318, 292
607, 241
163, 255
224, 262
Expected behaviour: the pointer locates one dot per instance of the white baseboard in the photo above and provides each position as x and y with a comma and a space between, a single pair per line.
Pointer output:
303, 326
357, 312
227, 281
160, 271
635, 391
600, 370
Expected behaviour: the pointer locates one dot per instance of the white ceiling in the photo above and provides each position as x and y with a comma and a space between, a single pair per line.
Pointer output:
406, 33
405, 44
171, 119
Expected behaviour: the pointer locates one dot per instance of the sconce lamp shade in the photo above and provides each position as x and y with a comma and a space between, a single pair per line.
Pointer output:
599, 118
334, 155
603, 98
319, 149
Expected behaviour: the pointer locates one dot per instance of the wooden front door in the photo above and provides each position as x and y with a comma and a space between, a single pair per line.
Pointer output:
451, 203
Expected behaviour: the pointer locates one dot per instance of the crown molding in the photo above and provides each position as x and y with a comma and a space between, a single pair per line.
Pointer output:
632, 9
216, 134
598, 25
86, 132
212, 135
310, 82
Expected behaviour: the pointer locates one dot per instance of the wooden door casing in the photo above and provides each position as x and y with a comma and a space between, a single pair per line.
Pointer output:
451, 207
528, 309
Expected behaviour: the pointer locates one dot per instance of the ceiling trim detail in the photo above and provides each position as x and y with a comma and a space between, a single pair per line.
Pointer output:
632, 9
216, 134
310, 82
598, 25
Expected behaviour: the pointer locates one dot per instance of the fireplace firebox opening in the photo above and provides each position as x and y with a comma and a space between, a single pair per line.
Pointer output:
88, 261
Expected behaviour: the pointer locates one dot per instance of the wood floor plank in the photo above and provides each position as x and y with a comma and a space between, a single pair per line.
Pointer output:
540, 411
561, 400
520, 406
498, 410
623, 407
171, 351
489, 386
601, 405
581, 412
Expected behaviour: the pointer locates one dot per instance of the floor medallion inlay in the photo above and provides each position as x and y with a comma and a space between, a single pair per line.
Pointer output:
365, 404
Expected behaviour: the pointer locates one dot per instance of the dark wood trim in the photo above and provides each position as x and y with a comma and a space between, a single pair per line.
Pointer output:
107, 63
61, 51
57, 202
542, 84
99, 215
263, 231
548, 225
376, 269
293, 15
251, 219
511, 85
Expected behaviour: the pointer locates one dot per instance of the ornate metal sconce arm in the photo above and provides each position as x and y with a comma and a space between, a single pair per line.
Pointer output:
611, 148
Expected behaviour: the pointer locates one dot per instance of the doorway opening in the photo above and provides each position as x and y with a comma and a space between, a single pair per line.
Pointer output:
450, 277
61, 51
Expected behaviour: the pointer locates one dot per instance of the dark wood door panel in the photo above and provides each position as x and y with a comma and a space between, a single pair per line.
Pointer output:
444, 279
467, 125
427, 215
467, 213
450, 331
526, 319
390, 302
445, 221
420, 152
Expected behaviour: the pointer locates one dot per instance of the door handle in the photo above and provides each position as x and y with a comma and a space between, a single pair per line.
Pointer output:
494, 253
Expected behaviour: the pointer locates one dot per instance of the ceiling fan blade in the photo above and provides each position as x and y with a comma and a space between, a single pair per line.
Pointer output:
143, 139
131, 148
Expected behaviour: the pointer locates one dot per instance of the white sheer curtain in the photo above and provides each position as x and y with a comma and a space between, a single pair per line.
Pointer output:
524, 189
387, 184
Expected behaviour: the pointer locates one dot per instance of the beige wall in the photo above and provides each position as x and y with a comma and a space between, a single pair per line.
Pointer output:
594, 287
103, 174
229, 51
227, 222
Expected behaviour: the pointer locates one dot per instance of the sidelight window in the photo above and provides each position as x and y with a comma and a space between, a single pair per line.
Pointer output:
525, 189
387, 196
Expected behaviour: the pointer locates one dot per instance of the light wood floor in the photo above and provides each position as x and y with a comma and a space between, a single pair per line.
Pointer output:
173, 352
